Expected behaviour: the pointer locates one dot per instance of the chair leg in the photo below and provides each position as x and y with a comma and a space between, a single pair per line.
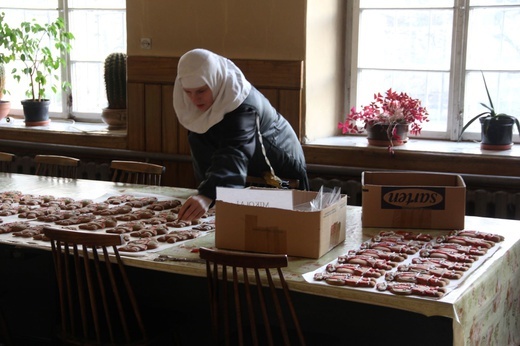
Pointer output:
5, 336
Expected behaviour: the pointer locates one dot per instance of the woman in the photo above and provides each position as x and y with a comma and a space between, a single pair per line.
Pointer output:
221, 110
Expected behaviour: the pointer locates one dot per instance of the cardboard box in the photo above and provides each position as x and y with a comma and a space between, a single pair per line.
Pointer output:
246, 226
413, 200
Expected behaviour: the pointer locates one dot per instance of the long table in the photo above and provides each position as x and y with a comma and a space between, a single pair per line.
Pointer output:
483, 309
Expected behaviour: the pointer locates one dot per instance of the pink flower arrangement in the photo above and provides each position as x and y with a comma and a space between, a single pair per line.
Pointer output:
392, 109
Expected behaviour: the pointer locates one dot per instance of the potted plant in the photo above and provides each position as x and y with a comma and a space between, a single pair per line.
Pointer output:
5, 106
115, 84
496, 128
41, 63
387, 119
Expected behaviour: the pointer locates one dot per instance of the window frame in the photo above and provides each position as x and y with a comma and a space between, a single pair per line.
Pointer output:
457, 73
63, 11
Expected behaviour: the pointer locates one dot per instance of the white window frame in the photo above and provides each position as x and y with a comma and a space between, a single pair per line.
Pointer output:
458, 71
63, 12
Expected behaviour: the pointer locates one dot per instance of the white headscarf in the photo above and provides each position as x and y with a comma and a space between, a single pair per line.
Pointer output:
227, 83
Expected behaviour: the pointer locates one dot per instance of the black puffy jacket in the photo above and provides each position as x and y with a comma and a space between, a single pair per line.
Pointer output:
230, 150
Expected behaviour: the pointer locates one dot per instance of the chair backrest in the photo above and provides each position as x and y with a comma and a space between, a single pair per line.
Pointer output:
262, 315
6, 159
56, 166
134, 172
97, 303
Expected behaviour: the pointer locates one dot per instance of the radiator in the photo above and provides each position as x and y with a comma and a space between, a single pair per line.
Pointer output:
351, 188
479, 202
86, 170
499, 204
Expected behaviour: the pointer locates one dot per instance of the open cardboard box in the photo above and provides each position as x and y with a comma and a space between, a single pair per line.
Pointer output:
413, 200
249, 223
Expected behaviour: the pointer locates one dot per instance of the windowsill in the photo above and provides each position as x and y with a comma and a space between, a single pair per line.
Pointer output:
63, 126
353, 152
64, 132
418, 145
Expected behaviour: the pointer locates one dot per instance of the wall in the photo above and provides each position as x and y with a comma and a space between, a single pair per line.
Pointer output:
324, 62
251, 29
299, 30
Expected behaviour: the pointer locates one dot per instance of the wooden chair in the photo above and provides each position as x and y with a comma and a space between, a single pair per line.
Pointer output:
56, 166
254, 308
96, 299
6, 159
134, 172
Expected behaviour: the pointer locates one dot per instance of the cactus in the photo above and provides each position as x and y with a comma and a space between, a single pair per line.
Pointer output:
2, 81
115, 80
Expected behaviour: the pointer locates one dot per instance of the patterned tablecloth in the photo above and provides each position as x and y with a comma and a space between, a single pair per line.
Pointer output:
484, 307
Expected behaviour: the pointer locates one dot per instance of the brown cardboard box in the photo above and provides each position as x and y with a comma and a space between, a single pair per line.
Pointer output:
413, 200
281, 231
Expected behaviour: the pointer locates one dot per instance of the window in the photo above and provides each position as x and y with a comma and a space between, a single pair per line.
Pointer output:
435, 50
99, 27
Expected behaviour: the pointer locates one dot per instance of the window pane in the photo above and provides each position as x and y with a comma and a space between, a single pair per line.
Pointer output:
408, 51
494, 48
494, 39
106, 34
88, 97
493, 2
121, 4
405, 3
16, 90
429, 87
405, 39
29, 4
106, 23
504, 89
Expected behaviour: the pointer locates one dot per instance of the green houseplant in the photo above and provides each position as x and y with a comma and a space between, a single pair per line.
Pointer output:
496, 128
115, 85
41, 62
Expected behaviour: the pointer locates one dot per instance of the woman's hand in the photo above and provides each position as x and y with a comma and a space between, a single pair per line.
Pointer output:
194, 208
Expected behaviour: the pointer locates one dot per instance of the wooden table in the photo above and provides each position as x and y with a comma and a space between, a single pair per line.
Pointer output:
485, 307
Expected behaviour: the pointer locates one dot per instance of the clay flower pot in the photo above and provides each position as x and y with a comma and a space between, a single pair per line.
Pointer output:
36, 112
5, 107
496, 134
387, 135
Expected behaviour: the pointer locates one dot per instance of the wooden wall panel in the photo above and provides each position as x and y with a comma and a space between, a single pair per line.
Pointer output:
272, 96
182, 140
275, 74
153, 117
170, 125
135, 117
290, 107
149, 69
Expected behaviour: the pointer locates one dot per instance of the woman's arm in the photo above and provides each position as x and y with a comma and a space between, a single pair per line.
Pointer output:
232, 143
